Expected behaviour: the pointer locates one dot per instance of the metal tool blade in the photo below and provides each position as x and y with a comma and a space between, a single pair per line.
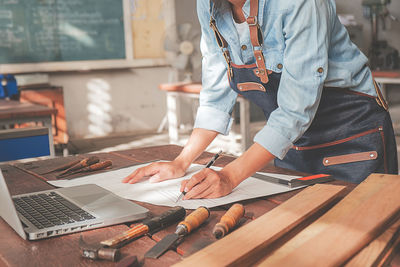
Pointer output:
161, 247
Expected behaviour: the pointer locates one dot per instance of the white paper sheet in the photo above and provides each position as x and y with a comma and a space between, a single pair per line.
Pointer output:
166, 193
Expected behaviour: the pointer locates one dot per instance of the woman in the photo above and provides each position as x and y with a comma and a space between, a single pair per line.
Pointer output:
295, 60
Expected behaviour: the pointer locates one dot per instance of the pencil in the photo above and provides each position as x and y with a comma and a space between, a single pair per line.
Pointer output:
208, 165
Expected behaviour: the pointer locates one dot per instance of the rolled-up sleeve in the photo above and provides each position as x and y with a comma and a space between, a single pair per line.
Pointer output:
306, 31
216, 97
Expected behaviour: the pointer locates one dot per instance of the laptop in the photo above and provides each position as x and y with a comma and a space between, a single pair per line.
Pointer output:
65, 210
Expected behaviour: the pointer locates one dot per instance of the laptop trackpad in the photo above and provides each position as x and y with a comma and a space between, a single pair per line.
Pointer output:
100, 201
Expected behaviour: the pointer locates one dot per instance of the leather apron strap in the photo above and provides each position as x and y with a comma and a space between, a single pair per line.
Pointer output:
222, 43
257, 41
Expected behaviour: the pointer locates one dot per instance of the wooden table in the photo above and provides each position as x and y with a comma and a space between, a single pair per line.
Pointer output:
14, 112
177, 91
386, 77
64, 250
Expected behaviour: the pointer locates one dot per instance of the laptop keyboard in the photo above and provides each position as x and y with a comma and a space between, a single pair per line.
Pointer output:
50, 209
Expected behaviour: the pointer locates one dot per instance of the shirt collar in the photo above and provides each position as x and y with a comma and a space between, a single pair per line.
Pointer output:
246, 8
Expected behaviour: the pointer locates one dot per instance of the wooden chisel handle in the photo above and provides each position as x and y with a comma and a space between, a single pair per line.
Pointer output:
81, 164
98, 166
229, 220
194, 219
85, 163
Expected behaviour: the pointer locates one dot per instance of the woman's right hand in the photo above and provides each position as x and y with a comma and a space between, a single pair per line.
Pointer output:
156, 172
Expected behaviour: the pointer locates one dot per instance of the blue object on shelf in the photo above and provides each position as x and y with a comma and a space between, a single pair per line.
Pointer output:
8, 86
24, 143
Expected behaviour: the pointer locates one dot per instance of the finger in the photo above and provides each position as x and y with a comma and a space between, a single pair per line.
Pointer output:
196, 191
142, 172
130, 176
209, 191
196, 179
183, 185
155, 178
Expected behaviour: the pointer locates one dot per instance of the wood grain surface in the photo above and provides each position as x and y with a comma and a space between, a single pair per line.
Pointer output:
246, 245
375, 251
63, 250
345, 229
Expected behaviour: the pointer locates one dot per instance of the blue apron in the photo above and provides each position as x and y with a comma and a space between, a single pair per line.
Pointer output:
351, 135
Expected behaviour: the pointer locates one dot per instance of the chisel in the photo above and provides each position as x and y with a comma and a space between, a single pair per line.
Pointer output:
148, 226
95, 167
191, 222
228, 221
82, 164
63, 167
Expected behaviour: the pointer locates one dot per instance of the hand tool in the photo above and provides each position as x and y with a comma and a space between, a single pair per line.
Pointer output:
63, 167
208, 165
295, 182
98, 251
148, 226
191, 222
82, 164
228, 221
95, 167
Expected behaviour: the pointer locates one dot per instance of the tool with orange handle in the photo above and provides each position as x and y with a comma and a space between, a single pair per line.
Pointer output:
82, 164
228, 221
169, 217
95, 167
191, 222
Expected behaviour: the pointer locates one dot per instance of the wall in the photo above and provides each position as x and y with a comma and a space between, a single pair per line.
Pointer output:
112, 102
128, 101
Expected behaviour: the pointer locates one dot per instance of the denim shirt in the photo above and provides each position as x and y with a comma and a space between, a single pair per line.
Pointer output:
304, 41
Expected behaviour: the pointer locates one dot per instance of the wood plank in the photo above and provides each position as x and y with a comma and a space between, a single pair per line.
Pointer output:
377, 248
345, 229
248, 242
391, 257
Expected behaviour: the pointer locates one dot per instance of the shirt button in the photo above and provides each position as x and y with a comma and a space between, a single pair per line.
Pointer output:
280, 66
320, 70
244, 47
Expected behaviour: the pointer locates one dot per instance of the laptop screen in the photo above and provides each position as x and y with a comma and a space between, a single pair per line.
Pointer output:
7, 208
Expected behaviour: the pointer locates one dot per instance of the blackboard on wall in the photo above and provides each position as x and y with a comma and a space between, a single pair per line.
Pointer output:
61, 30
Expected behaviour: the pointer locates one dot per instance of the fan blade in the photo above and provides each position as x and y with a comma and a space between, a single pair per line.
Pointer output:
184, 31
171, 45
181, 62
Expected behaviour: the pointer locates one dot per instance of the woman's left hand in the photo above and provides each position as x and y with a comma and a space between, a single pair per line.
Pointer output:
207, 184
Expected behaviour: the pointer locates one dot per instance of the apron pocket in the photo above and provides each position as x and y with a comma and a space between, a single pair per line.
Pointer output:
348, 158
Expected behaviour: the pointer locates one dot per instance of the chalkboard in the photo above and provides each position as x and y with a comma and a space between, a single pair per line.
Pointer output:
61, 30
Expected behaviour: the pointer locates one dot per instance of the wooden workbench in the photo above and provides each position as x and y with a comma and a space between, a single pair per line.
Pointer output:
64, 250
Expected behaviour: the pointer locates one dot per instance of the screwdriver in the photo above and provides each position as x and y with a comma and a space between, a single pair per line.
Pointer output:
95, 167
228, 221
148, 226
83, 163
191, 222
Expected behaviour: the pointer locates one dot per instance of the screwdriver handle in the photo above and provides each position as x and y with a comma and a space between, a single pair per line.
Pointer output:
195, 219
169, 217
228, 221
98, 166
81, 164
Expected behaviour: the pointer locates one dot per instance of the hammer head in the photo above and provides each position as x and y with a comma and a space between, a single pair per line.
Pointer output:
98, 251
